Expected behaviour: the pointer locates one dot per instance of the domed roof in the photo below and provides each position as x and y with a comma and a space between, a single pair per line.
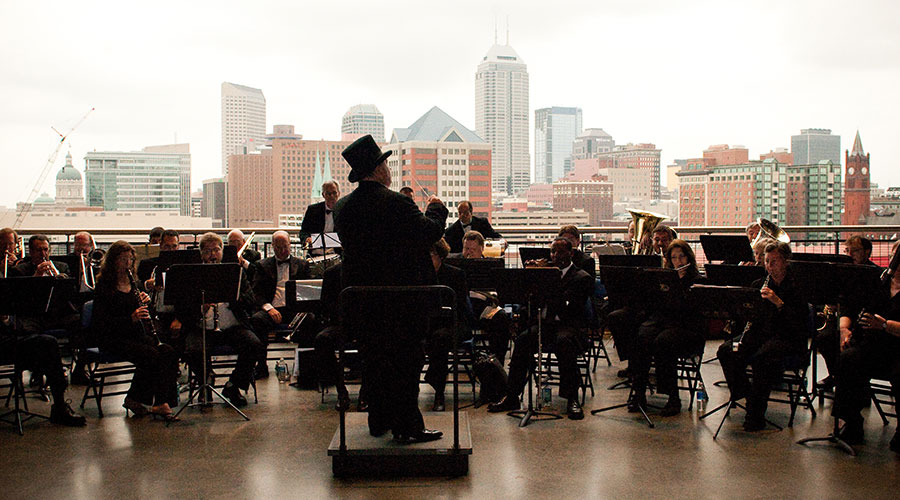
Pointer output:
68, 172
44, 198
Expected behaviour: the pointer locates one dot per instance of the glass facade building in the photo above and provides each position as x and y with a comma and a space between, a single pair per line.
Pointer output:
555, 130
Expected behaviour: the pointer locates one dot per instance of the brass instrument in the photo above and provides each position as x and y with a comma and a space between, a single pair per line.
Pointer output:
494, 248
246, 244
886, 278
146, 324
824, 317
770, 230
53, 271
644, 224
736, 346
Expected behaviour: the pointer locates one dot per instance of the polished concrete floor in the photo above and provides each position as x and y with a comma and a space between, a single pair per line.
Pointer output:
281, 453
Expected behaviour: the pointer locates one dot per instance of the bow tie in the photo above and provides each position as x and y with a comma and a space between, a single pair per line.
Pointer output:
328, 211
285, 261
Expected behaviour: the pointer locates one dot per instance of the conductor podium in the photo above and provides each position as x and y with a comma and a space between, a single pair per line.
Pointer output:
385, 320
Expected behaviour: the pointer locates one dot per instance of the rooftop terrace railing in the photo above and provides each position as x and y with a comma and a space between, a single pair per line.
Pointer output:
810, 239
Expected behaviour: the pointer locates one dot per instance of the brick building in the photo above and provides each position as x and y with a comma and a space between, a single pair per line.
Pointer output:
594, 197
635, 156
857, 197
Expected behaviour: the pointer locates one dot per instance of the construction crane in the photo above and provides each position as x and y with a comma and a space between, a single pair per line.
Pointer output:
20, 217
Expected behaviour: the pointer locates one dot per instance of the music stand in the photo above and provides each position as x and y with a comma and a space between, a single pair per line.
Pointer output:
478, 271
732, 275
831, 283
533, 286
198, 284
533, 253
629, 260
29, 296
822, 257
643, 285
728, 248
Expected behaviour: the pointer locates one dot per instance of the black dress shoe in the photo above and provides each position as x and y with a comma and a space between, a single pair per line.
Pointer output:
233, 394
508, 403
672, 408
753, 424
852, 432
62, 414
422, 436
438, 402
343, 402
574, 410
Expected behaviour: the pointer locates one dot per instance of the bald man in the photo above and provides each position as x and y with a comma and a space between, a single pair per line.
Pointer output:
269, 288
249, 258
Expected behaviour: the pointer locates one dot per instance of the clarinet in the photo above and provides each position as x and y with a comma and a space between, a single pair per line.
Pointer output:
146, 324
747, 326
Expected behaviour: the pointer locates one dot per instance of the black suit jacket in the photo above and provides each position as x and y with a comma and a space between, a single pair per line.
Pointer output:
575, 289
386, 238
313, 221
27, 268
251, 255
266, 277
454, 234
585, 262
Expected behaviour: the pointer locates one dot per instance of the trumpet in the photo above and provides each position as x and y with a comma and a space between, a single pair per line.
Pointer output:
52, 270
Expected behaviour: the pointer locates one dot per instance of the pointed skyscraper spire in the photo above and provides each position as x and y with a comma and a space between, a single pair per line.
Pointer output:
316, 194
857, 147
326, 172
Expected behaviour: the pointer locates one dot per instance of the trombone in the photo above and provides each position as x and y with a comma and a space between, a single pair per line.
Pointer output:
246, 244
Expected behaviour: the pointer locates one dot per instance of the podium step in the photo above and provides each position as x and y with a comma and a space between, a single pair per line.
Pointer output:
370, 456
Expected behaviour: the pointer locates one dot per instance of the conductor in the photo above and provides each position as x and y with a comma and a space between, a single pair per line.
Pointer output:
386, 241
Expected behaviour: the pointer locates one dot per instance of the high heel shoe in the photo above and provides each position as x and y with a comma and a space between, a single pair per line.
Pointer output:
136, 408
164, 412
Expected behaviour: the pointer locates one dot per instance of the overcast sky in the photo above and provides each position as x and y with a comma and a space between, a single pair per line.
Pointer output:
681, 74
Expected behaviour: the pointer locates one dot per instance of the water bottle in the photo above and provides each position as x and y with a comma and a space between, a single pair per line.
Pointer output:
546, 395
281, 371
702, 397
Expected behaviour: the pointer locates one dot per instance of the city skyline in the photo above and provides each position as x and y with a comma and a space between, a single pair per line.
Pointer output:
841, 79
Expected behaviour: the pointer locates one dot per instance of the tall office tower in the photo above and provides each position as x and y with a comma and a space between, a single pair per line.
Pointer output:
814, 145
155, 178
501, 117
360, 120
857, 198
590, 142
243, 119
438, 154
555, 130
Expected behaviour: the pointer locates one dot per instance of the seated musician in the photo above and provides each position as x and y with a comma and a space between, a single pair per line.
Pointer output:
467, 222
319, 217
752, 230
167, 240
147, 273
564, 330
488, 314
759, 251
155, 236
869, 349
440, 341
662, 237
61, 315
777, 335
269, 291
667, 335
249, 257
581, 259
860, 250
121, 324
226, 323
34, 351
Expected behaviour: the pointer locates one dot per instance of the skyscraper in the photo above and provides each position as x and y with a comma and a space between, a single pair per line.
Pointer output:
814, 145
501, 116
243, 119
360, 120
555, 130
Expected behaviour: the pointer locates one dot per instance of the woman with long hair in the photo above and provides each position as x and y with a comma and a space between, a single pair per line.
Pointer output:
667, 335
119, 320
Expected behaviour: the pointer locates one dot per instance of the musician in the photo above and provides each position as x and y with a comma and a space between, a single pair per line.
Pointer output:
467, 222
581, 260
155, 235
168, 242
752, 230
232, 328
778, 334
488, 316
386, 239
121, 323
319, 217
408, 192
870, 349
8, 242
662, 238
248, 258
269, 291
440, 340
759, 251
564, 330
61, 315
860, 250
667, 335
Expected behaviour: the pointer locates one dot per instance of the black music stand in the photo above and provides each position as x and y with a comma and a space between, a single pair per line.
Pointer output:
732, 275
29, 296
728, 248
629, 260
822, 257
654, 286
478, 271
198, 284
534, 287
832, 283
728, 302
533, 253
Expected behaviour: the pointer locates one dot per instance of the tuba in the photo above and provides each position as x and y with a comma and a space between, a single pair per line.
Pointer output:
768, 229
644, 224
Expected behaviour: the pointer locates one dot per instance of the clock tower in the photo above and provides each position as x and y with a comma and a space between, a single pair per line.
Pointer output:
856, 185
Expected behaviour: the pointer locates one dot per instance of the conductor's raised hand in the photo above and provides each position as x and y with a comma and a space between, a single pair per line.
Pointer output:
433, 199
